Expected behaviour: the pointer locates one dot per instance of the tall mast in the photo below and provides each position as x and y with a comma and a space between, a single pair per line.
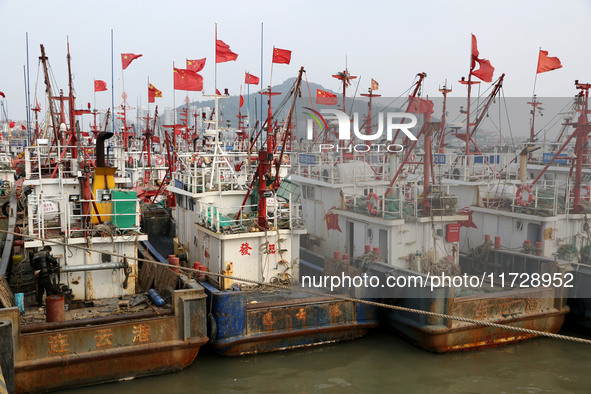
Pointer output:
444, 90
52, 113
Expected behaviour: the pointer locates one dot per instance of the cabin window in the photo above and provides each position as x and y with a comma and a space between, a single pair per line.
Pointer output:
105, 258
309, 192
518, 225
191, 204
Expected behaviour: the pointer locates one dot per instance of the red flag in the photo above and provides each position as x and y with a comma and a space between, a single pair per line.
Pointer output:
251, 79
218, 92
241, 101
196, 65
374, 84
11, 124
38, 107
2, 94
469, 222
418, 105
474, 52
153, 93
99, 86
485, 71
127, 58
187, 80
223, 52
332, 221
546, 63
325, 98
281, 56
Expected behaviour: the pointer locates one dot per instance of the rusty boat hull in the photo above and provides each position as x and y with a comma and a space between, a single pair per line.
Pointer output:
60, 355
249, 322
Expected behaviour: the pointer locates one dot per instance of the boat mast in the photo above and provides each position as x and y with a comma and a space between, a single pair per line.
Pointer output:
444, 90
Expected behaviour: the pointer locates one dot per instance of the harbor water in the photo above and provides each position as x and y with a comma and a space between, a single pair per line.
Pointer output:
379, 362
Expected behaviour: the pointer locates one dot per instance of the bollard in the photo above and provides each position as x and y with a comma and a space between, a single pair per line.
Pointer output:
497, 242
486, 237
202, 276
345, 256
376, 250
367, 248
337, 255
6, 357
196, 266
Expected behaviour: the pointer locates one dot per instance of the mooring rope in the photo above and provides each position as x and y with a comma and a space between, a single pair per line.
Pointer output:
323, 294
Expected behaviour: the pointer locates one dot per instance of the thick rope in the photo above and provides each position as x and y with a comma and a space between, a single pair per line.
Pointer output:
335, 296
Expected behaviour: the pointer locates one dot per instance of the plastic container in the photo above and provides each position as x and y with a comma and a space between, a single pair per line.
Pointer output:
155, 297
19, 299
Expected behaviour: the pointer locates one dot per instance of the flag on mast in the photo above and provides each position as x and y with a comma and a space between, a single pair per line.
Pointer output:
127, 58
547, 63
187, 80
196, 65
99, 86
223, 52
281, 56
153, 93
251, 79
486, 70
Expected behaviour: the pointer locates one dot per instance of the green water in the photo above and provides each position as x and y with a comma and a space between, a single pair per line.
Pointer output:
380, 362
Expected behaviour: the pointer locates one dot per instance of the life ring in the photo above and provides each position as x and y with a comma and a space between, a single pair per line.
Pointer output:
130, 161
412, 157
518, 197
199, 161
159, 160
373, 211
284, 159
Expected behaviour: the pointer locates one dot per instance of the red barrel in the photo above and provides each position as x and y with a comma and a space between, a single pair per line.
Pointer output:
176, 262
367, 248
376, 250
345, 256
55, 308
538, 248
170, 257
486, 237
201, 275
196, 266
337, 255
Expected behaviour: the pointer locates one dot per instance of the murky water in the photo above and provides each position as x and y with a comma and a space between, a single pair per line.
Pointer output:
380, 362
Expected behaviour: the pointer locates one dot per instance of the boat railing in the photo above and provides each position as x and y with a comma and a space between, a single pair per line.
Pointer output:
343, 167
54, 215
470, 168
56, 161
405, 201
222, 218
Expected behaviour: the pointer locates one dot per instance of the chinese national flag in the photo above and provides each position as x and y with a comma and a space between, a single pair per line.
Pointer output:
11, 124
241, 101
281, 56
374, 84
196, 65
418, 105
153, 93
546, 63
475, 53
127, 58
187, 80
251, 79
2, 94
99, 86
325, 98
223, 52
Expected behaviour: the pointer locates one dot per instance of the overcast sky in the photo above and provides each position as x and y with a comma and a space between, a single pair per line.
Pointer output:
389, 41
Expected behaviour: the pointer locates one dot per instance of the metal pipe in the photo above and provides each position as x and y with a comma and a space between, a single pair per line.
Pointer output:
93, 267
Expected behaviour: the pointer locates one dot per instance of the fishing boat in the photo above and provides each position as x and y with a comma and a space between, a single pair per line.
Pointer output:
99, 325
410, 227
250, 241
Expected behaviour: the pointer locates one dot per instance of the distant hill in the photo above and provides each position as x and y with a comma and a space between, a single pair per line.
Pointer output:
358, 104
